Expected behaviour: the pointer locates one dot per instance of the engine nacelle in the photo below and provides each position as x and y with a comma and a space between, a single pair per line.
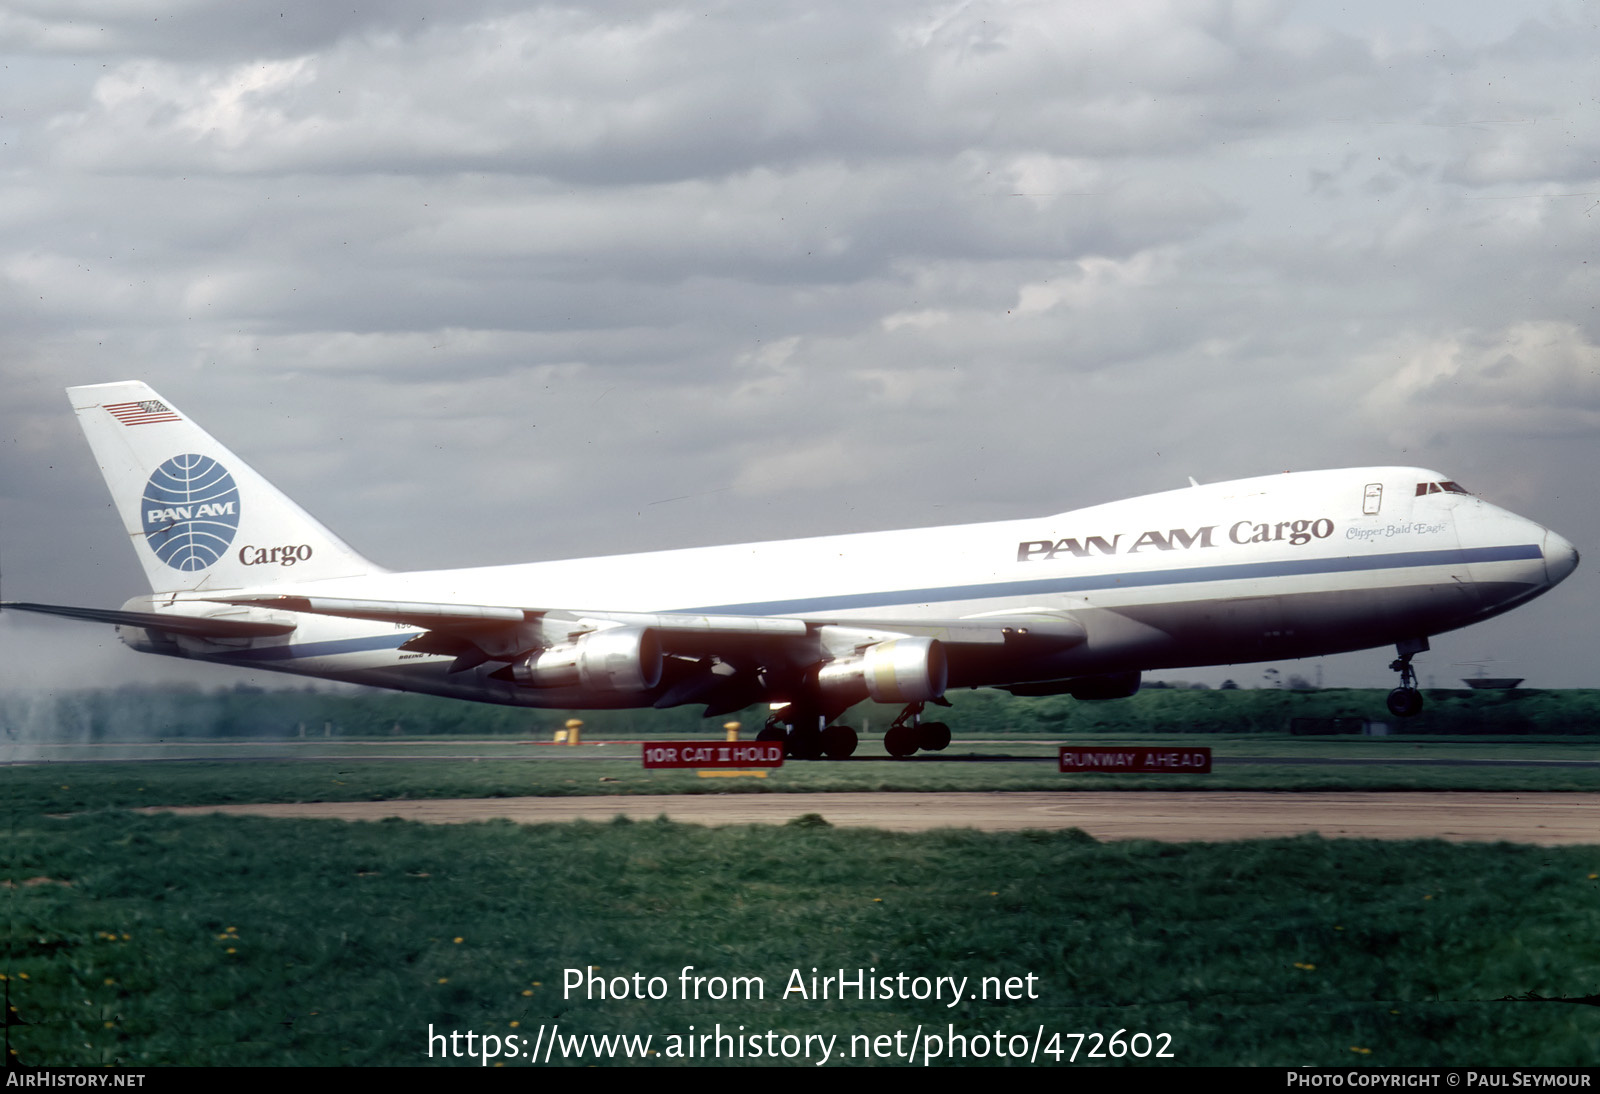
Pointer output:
899, 670
618, 659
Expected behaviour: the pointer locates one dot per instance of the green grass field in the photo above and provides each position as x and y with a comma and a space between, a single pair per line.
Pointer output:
155, 939
304, 772
148, 939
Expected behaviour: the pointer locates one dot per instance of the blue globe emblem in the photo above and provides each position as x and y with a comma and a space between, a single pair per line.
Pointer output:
191, 511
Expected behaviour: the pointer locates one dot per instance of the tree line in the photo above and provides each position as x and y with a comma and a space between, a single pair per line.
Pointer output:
179, 712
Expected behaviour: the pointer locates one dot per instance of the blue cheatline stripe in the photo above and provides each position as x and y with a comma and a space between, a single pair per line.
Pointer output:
1191, 575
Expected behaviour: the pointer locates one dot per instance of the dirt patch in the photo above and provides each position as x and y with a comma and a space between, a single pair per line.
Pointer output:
1546, 819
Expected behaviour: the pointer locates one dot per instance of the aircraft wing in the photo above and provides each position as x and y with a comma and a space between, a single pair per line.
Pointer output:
721, 659
680, 631
724, 661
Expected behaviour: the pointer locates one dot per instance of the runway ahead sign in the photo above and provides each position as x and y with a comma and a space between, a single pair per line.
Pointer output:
1141, 761
713, 754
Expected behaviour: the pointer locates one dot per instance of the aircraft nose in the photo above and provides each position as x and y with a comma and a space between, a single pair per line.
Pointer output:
1560, 557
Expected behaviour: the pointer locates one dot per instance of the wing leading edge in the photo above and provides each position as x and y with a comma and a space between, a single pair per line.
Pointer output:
492, 625
724, 661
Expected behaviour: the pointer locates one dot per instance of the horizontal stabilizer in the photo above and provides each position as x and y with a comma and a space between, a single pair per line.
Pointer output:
192, 626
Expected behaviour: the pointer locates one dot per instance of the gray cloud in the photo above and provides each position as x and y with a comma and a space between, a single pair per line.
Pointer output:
508, 281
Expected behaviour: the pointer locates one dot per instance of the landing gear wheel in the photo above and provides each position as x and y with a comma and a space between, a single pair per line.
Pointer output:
839, 742
1405, 702
933, 736
773, 731
900, 741
805, 743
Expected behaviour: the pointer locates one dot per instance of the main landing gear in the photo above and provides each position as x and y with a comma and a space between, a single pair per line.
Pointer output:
806, 738
1405, 701
909, 733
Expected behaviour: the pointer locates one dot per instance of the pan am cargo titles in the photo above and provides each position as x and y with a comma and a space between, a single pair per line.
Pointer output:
1296, 533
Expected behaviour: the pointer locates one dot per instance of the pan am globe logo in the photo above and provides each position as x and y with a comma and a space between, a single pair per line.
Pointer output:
191, 511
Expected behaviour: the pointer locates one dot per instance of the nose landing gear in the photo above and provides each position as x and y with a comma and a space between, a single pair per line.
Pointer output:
1405, 701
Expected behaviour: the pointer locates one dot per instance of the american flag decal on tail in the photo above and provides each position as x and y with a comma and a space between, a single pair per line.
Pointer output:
143, 412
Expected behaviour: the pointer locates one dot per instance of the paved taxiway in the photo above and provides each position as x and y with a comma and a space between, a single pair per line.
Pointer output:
1548, 819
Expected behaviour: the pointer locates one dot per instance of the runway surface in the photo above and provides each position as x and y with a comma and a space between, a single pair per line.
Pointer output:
1552, 819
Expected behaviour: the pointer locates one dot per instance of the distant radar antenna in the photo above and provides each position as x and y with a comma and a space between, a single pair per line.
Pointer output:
1482, 681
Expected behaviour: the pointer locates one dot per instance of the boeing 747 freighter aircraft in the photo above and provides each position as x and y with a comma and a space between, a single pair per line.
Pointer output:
1077, 603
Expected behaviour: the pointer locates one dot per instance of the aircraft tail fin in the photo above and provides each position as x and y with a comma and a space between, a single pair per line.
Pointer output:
199, 517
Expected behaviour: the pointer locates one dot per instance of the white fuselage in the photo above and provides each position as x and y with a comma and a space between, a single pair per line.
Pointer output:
1280, 566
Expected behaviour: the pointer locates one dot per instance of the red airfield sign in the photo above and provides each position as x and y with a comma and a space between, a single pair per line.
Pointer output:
1142, 761
713, 754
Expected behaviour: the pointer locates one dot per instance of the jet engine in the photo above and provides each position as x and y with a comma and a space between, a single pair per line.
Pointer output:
617, 659
898, 670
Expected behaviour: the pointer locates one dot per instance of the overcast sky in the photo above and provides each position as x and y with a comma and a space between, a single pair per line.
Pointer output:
490, 282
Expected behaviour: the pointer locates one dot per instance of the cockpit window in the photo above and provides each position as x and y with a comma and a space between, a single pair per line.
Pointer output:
1439, 488
1452, 488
